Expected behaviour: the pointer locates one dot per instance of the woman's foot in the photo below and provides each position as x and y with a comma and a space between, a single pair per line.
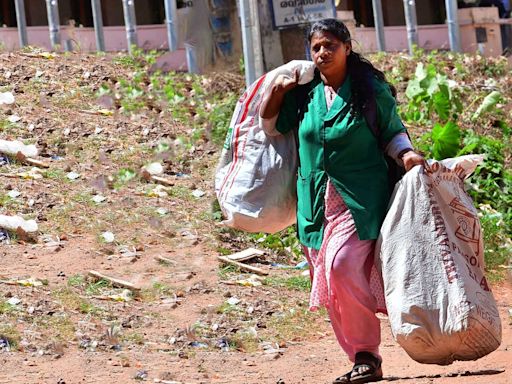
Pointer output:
367, 369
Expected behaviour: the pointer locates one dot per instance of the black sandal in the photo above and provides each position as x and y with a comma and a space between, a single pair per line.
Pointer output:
372, 373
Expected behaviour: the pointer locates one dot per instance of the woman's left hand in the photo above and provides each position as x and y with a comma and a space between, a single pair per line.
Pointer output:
411, 159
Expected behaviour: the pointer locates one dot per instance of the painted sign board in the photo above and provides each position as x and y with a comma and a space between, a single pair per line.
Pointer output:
289, 13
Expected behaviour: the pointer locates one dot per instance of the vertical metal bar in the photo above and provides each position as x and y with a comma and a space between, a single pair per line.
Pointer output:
379, 24
130, 23
21, 22
247, 41
453, 25
97, 17
256, 38
52, 10
171, 17
412, 23
191, 56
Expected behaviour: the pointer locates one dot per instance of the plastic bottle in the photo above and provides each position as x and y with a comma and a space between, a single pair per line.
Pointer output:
12, 223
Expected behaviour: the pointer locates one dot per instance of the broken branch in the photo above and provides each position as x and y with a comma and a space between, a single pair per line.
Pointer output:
114, 281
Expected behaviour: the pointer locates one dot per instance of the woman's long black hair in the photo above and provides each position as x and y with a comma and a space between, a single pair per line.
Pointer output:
360, 69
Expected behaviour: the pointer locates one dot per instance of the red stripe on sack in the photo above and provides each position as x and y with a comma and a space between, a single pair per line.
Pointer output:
239, 165
237, 132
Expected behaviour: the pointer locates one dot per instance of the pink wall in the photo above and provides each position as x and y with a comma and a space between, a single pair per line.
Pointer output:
149, 37
430, 37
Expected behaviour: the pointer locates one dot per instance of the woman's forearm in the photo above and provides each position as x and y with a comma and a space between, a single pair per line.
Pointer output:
272, 103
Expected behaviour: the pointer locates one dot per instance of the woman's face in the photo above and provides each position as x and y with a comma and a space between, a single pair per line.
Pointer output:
329, 53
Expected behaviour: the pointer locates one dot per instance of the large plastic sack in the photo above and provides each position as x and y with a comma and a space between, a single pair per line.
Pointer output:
255, 181
430, 250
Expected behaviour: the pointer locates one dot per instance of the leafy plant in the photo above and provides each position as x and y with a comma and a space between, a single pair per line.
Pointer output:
488, 104
431, 91
445, 140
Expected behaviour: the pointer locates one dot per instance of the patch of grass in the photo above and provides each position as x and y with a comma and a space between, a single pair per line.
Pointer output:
244, 340
59, 327
294, 324
498, 247
95, 287
76, 280
296, 283
71, 300
227, 270
157, 290
54, 174
6, 308
132, 338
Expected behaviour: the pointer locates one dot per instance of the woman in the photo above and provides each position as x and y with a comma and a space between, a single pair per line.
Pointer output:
342, 185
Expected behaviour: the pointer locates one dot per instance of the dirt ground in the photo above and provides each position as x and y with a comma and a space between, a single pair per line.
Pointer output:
190, 319
312, 359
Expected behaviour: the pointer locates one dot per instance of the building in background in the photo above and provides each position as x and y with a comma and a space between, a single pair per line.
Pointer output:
212, 27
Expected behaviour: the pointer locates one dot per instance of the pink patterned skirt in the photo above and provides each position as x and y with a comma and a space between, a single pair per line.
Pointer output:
338, 228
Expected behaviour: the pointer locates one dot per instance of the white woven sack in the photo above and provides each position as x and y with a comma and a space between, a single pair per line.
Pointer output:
440, 306
256, 176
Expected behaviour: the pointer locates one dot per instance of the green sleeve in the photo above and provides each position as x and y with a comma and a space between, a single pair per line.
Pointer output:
387, 115
288, 115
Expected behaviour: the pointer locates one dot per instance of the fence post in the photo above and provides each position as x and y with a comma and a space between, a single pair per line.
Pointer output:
379, 24
21, 22
170, 19
130, 23
453, 25
52, 10
412, 24
97, 17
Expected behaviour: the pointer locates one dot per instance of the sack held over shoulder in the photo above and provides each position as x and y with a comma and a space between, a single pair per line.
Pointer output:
255, 181
430, 250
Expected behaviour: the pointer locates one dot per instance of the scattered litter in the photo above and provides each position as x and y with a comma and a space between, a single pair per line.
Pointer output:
98, 130
198, 344
268, 348
33, 174
108, 237
125, 296
13, 147
158, 191
13, 119
6, 98
141, 375
4, 160
246, 254
73, 175
302, 265
252, 281
12, 223
162, 211
13, 194
223, 345
182, 175
4, 344
13, 301
197, 193
30, 282
233, 301
98, 199
281, 266
154, 169
4, 236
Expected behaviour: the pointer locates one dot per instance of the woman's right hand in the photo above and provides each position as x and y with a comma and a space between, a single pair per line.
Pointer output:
284, 83
273, 100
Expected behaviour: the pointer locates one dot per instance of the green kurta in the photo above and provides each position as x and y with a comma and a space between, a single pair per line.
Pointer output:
334, 145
